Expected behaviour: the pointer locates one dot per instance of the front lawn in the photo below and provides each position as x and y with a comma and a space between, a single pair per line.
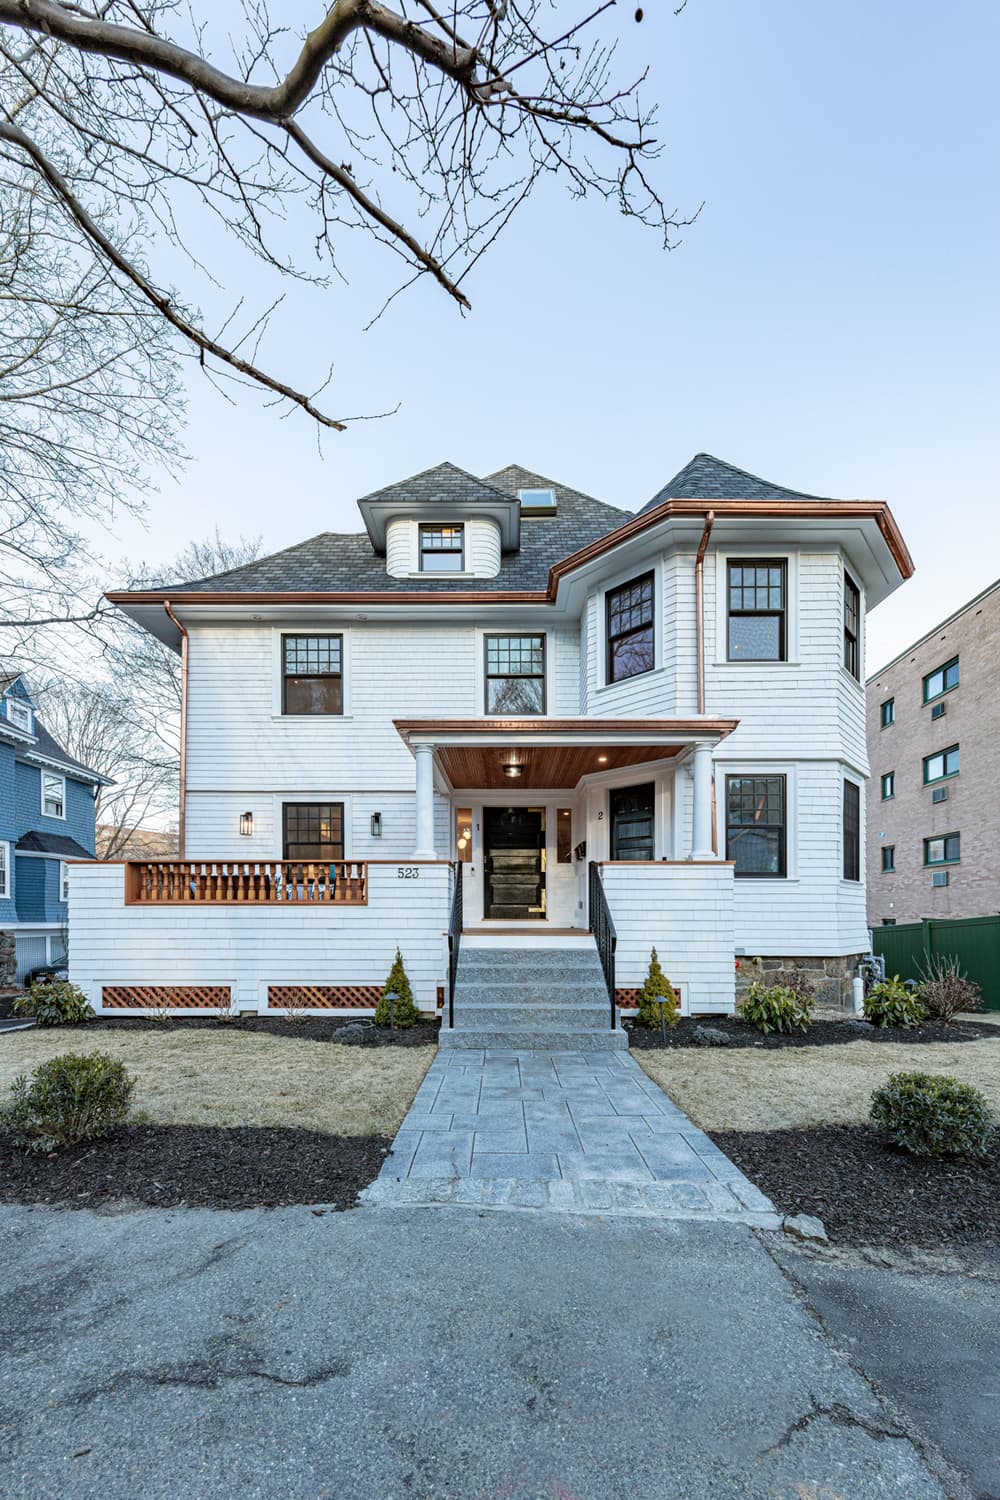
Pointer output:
222, 1118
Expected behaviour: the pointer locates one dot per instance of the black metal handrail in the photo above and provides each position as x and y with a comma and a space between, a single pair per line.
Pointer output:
454, 938
605, 936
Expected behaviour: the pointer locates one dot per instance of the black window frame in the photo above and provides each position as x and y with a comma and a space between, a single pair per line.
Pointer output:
888, 859
428, 528
311, 859
769, 612
890, 777
946, 687
338, 676
852, 627
946, 775
488, 676
948, 859
851, 830
887, 713
734, 828
611, 597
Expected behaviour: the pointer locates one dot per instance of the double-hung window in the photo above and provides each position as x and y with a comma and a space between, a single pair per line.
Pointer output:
312, 674
945, 850
515, 674
63, 881
442, 549
630, 614
756, 834
888, 786
4, 871
942, 765
941, 680
852, 627
887, 712
888, 859
53, 794
313, 831
19, 714
852, 831
757, 592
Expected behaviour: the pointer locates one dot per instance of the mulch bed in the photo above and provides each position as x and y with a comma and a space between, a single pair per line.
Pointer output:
820, 1033
869, 1193
175, 1166
308, 1029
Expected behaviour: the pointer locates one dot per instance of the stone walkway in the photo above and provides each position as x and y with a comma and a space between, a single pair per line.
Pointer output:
573, 1131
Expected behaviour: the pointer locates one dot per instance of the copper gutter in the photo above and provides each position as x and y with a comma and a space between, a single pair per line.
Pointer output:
699, 606
182, 778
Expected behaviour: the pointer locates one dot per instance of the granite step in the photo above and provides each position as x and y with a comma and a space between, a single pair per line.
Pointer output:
530, 1039
479, 1013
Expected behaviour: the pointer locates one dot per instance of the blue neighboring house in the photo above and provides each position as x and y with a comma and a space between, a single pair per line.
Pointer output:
47, 816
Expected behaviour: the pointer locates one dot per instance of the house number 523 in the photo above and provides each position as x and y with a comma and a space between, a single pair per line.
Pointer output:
408, 872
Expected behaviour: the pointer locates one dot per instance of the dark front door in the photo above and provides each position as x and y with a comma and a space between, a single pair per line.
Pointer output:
632, 822
515, 868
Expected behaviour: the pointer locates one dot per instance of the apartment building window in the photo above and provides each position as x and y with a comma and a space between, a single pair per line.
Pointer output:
888, 921
887, 712
888, 786
756, 831
442, 549
313, 831
312, 674
888, 858
515, 674
852, 830
940, 766
53, 795
852, 627
941, 680
630, 613
757, 607
943, 850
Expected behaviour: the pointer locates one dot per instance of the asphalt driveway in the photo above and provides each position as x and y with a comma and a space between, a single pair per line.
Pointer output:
387, 1354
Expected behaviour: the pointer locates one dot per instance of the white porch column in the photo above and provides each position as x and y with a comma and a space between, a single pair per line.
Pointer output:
424, 755
701, 822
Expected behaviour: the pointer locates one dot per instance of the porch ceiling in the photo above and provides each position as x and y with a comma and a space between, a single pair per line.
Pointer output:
552, 753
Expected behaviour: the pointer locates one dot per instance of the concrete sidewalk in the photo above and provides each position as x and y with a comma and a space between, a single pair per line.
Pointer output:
411, 1355
561, 1131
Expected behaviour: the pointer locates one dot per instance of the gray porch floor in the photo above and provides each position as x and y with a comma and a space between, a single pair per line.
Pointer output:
573, 1131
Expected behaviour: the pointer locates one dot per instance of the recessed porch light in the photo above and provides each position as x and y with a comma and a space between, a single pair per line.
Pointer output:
602, 760
512, 771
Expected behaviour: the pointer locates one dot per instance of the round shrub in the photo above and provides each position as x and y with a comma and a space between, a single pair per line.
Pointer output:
931, 1115
776, 1007
54, 1002
890, 1003
77, 1096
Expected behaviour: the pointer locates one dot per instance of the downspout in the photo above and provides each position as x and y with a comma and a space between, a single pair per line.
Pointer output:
182, 778
699, 609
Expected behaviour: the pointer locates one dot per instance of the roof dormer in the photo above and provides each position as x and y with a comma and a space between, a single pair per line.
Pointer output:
442, 522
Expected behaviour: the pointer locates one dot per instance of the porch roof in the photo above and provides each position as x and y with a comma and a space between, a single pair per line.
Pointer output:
554, 754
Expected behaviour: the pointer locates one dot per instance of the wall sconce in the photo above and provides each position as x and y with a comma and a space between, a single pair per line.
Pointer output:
246, 824
376, 825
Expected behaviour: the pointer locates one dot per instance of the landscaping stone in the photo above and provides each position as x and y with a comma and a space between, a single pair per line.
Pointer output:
710, 1036
804, 1227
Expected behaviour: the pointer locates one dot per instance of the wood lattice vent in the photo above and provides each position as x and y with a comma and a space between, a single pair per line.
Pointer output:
176, 996
323, 996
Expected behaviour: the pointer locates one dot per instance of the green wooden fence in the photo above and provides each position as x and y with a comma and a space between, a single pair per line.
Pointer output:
975, 941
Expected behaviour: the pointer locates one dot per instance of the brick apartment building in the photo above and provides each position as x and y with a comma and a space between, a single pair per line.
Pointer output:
933, 823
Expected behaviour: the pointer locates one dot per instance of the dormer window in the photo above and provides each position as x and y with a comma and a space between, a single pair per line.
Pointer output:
442, 549
19, 714
541, 502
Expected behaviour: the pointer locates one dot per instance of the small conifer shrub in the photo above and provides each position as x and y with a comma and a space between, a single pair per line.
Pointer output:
404, 1012
656, 988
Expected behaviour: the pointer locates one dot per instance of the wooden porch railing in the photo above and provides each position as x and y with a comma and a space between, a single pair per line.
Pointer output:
240, 882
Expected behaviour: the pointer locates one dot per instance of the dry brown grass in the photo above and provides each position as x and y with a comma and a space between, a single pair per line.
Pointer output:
243, 1078
753, 1089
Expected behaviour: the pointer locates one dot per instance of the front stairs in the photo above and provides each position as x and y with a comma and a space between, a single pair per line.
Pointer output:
532, 997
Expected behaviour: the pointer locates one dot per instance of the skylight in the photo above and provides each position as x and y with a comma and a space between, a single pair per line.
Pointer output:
537, 502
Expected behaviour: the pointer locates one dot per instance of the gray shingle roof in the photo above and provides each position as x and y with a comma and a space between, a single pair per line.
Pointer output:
50, 747
445, 484
346, 562
51, 843
708, 478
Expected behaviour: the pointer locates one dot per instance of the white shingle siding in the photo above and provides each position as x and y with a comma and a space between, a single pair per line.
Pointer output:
249, 947
686, 913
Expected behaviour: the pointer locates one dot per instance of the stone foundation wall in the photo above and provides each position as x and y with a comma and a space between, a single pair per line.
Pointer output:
8, 961
828, 979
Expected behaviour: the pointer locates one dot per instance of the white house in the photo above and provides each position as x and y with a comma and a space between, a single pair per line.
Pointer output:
572, 712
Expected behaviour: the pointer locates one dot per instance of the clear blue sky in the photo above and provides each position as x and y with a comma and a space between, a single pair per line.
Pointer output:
830, 321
